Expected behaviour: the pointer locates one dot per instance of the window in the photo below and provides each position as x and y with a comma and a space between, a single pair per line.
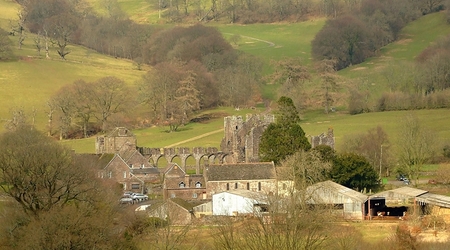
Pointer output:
181, 185
259, 186
172, 195
235, 185
135, 186
228, 186
284, 186
131, 165
110, 174
248, 185
198, 184
124, 174
194, 195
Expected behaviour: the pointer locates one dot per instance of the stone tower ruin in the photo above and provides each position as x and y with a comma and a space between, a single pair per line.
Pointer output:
118, 141
323, 139
242, 137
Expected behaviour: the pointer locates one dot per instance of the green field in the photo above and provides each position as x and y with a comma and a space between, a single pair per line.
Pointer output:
29, 82
275, 41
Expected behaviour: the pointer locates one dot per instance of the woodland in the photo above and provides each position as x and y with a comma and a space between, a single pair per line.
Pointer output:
193, 68
54, 201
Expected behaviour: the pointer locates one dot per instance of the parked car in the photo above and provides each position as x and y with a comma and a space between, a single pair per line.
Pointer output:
139, 197
401, 177
126, 199
406, 181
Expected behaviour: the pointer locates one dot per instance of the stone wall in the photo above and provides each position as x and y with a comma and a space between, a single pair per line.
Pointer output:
263, 186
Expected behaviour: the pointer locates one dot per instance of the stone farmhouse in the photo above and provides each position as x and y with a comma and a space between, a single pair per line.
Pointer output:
255, 176
178, 184
126, 165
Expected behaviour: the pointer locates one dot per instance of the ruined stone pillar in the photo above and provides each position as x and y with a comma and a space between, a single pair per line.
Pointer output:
183, 153
198, 154
169, 154
155, 154
211, 152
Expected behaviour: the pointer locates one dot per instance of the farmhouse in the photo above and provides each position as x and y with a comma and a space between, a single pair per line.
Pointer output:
178, 184
256, 177
119, 170
131, 173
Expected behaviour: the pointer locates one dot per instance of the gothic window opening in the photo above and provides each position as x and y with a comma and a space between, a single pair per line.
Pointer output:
198, 184
181, 185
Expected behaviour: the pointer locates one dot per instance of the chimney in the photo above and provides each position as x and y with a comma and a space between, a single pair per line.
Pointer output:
186, 180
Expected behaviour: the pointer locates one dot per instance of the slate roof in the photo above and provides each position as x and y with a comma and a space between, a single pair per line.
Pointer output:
137, 159
151, 170
240, 171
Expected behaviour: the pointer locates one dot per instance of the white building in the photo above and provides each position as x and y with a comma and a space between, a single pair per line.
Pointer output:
239, 201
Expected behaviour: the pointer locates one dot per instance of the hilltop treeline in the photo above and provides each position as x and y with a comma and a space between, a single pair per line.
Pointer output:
269, 11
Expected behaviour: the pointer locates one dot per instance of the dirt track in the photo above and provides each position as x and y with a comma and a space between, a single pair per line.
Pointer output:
194, 138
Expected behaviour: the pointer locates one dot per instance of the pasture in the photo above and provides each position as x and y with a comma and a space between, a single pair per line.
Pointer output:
30, 81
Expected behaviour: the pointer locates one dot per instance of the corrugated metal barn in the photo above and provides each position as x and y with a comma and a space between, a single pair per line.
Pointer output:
348, 202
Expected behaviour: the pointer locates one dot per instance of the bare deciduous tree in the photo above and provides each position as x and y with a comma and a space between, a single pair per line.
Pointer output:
110, 95
416, 146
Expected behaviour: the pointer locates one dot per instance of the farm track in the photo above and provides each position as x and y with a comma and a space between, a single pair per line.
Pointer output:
195, 138
271, 44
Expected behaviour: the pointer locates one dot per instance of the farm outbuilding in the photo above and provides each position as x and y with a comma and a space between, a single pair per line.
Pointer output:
349, 203
401, 196
236, 202
434, 204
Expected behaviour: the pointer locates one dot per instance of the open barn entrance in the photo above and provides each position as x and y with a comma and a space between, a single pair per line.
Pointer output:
376, 209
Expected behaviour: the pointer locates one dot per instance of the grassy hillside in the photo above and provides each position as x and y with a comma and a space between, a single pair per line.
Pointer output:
414, 38
9, 10
275, 41
30, 81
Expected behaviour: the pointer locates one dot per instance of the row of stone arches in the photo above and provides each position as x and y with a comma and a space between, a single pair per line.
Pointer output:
209, 155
